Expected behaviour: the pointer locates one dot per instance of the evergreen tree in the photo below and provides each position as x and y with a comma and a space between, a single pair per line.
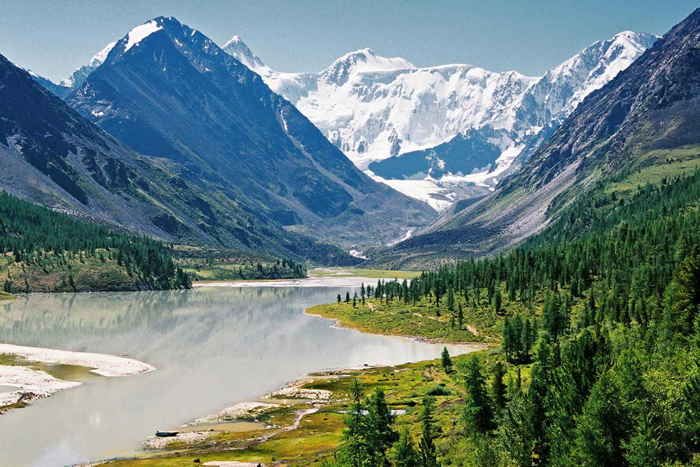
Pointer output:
355, 450
403, 452
446, 361
426, 447
478, 411
498, 386
380, 435
603, 427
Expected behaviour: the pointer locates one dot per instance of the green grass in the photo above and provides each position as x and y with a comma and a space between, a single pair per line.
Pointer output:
660, 164
360, 272
424, 319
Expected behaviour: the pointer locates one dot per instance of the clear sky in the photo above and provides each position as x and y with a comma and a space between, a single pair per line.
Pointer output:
53, 37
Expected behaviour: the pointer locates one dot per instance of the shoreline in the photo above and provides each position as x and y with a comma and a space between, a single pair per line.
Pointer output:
312, 281
297, 399
338, 323
32, 383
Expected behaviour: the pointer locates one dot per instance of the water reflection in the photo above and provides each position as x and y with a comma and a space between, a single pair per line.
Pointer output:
212, 347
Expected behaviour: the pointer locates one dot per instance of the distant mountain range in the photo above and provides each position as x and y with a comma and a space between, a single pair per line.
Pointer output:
409, 123
499, 153
213, 155
642, 127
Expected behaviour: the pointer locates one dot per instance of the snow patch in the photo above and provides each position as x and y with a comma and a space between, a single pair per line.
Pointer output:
357, 254
100, 57
141, 32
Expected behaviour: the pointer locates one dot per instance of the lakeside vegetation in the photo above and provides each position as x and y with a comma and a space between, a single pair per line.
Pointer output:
6, 296
314, 442
45, 251
598, 320
206, 264
608, 329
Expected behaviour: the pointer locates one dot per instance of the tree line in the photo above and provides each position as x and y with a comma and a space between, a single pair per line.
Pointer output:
610, 335
34, 235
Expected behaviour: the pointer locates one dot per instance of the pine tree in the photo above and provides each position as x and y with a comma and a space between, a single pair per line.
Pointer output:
426, 447
498, 387
446, 361
380, 435
403, 452
478, 411
603, 427
355, 450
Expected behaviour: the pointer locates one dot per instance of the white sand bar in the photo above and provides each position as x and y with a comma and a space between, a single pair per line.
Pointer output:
28, 383
31, 384
101, 364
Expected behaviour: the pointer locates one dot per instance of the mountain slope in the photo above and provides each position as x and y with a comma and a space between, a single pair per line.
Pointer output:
50, 155
374, 108
639, 128
170, 92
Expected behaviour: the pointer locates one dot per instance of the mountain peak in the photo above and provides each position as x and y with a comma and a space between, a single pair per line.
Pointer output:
241, 52
362, 61
142, 31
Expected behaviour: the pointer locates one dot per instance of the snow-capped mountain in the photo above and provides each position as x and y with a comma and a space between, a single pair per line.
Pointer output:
169, 92
374, 108
80, 75
556, 94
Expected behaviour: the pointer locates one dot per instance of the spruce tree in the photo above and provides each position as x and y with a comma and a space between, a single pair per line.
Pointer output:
380, 435
498, 386
403, 452
446, 361
426, 447
478, 412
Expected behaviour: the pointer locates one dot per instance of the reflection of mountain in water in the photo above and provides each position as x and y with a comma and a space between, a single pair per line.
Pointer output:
48, 319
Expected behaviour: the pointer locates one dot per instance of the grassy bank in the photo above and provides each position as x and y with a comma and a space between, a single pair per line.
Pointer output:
396, 320
319, 433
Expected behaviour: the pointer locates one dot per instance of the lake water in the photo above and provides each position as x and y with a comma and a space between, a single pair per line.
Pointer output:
213, 347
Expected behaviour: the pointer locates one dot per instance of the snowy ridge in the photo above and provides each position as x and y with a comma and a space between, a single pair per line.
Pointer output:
375, 107
141, 32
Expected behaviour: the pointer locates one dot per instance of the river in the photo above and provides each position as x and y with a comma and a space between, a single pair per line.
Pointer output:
212, 347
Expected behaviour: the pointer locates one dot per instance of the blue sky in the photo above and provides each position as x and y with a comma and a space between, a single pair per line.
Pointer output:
54, 37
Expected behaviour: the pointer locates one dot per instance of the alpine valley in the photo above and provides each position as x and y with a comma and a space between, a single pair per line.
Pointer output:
452, 266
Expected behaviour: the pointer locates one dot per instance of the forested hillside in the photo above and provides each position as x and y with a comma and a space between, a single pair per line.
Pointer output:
600, 341
44, 251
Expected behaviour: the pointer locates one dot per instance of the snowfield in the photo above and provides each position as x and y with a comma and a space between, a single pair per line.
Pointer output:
374, 107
